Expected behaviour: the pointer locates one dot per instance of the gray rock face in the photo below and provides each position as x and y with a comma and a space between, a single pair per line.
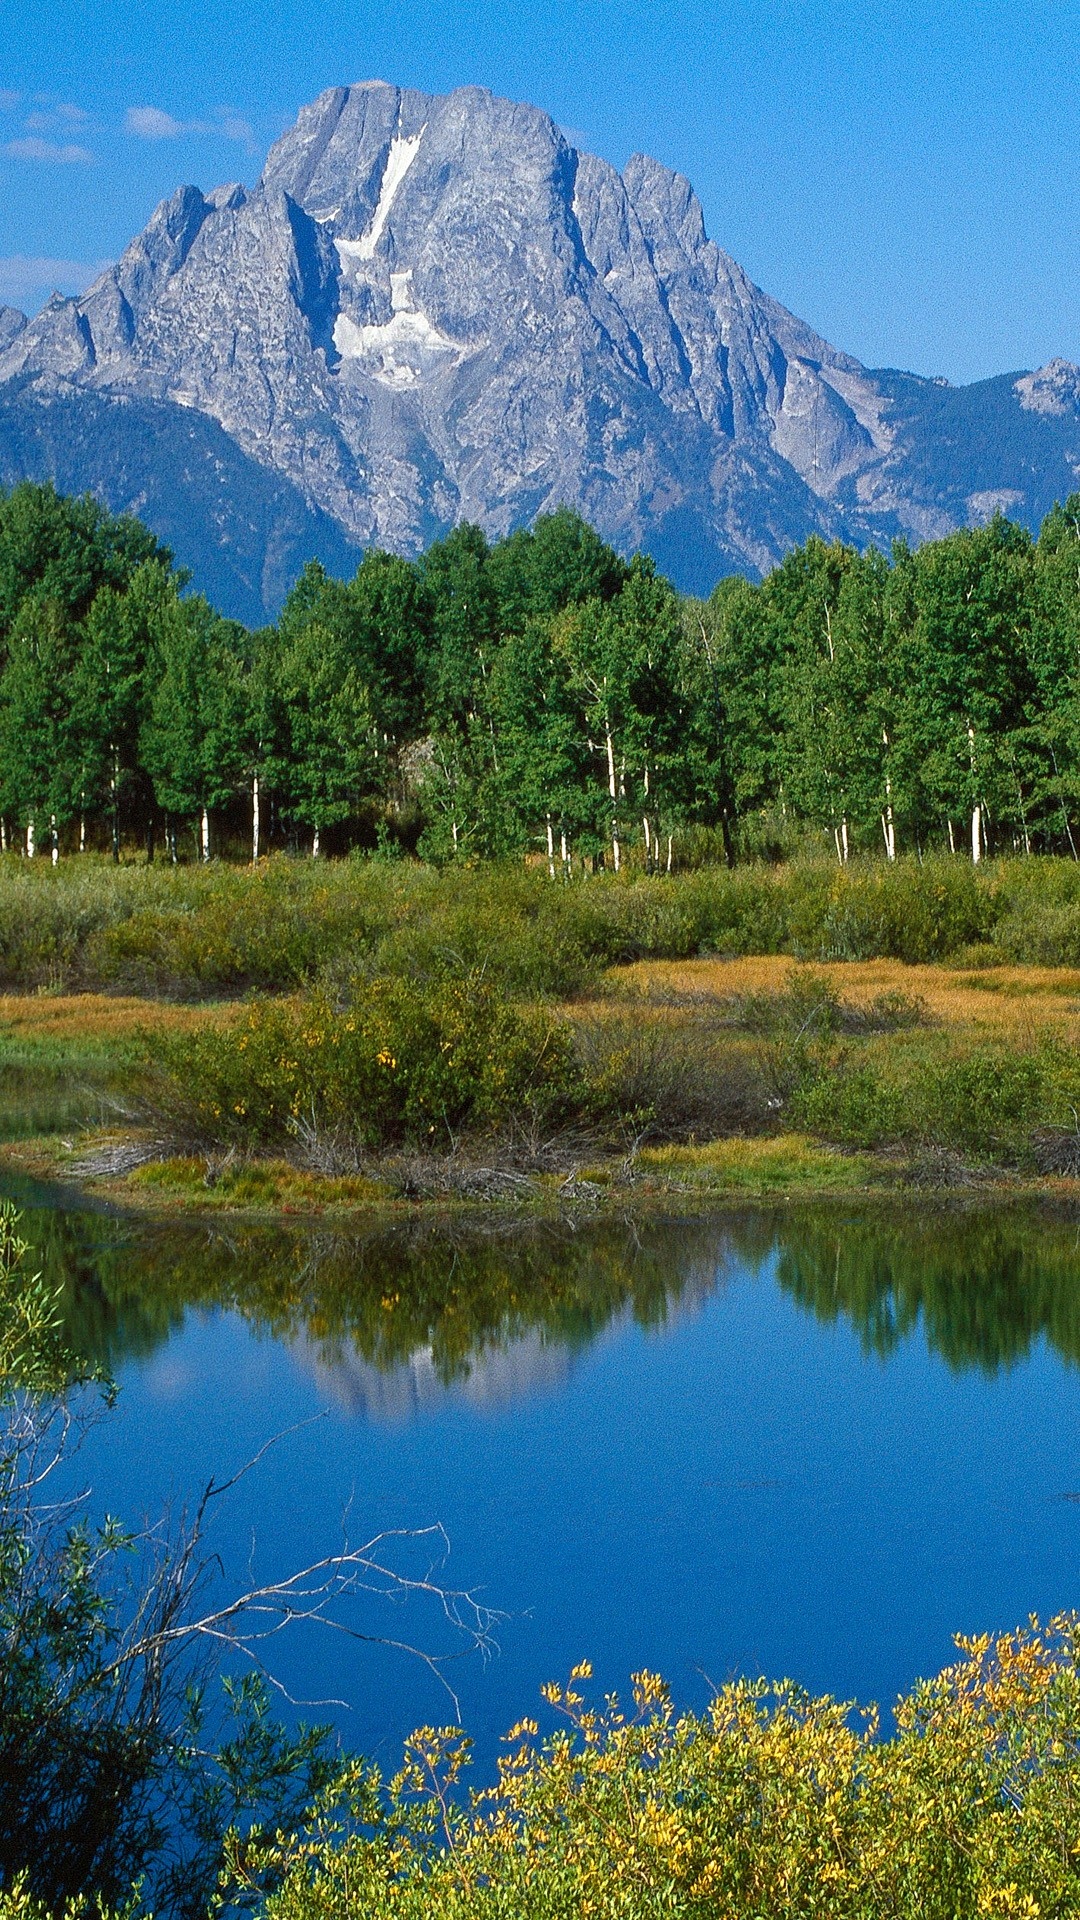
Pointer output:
12, 322
434, 308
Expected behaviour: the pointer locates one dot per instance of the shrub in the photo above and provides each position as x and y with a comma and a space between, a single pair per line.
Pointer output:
986, 1101
769, 1803
194, 931
396, 1064
852, 1106
665, 1081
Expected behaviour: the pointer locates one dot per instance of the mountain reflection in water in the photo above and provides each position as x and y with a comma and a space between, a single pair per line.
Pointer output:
391, 1320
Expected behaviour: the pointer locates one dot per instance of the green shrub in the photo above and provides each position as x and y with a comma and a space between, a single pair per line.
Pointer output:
192, 931
395, 1065
852, 1106
901, 910
986, 1101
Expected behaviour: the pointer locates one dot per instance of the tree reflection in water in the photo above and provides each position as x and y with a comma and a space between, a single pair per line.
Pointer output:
392, 1317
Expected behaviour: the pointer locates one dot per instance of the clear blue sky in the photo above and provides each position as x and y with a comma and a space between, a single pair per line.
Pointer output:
904, 176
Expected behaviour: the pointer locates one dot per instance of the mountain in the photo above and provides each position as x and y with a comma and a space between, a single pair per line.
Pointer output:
435, 308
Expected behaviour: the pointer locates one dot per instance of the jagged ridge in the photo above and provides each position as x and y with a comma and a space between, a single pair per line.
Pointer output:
434, 308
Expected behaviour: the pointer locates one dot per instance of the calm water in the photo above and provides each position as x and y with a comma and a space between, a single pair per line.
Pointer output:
813, 1444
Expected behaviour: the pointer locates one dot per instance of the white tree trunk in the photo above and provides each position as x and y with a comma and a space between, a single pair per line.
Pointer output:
648, 843
952, 838
565, 851
613, 791
976, 811
669, 851
551, 847
255, 820
82, 833
3, 836
315, 844
55, 839
114, 789
30, 838
204, 834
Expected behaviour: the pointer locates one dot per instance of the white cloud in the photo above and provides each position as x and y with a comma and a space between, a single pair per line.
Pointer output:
61, 114
232, 126
33, 147
152, 123
27, 279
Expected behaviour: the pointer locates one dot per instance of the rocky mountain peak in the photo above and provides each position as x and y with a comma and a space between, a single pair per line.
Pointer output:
434, 307
1054, 388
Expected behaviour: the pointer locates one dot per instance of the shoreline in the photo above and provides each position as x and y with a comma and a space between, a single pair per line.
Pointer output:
114, 1168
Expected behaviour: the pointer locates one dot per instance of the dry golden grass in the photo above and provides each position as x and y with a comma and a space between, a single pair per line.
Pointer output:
99, 1019
997, 1002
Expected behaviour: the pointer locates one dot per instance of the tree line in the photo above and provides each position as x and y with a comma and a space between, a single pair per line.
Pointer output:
540, 693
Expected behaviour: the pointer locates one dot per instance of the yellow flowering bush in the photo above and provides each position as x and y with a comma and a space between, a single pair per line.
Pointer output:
772, 1805
397, 1063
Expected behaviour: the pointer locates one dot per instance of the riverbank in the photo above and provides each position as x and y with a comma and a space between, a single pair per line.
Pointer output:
884, 1022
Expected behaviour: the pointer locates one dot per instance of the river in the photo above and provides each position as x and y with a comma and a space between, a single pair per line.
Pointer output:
812, 1443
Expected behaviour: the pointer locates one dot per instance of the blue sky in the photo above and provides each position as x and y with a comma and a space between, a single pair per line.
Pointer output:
905, 177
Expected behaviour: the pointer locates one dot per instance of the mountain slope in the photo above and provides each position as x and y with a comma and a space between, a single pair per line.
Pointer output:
433, 308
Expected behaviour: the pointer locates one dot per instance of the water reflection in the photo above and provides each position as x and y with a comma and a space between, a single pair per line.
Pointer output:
788, 1442
36, 1100
983, 1285
391, 1321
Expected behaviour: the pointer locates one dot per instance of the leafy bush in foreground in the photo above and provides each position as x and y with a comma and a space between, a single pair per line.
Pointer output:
771, 1803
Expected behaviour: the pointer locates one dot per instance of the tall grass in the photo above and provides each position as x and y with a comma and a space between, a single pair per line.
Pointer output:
202, 932
199, 932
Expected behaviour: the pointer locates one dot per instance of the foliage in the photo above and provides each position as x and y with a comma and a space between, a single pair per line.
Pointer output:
392, 1064
771, 1802
193, 932
538, 694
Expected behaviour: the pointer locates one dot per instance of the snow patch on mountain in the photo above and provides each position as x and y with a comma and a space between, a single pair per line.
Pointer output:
398, 161
401, 346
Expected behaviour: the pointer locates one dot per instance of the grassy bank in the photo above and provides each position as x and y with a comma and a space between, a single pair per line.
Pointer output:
357, 1034
675, 1080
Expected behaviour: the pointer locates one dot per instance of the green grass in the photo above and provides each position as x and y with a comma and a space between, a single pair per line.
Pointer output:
197, 932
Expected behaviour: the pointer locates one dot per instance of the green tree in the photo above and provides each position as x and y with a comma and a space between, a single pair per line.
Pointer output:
558, 562
974, 687
193, 739
64, 550
39, 763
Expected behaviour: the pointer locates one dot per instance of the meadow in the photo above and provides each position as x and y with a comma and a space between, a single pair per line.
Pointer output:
486, 1033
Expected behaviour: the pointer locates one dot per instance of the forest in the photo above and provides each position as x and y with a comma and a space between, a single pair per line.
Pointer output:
540, 695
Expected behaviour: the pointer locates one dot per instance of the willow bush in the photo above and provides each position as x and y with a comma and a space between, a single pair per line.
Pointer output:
393, 1065
771, 1805
195, 932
